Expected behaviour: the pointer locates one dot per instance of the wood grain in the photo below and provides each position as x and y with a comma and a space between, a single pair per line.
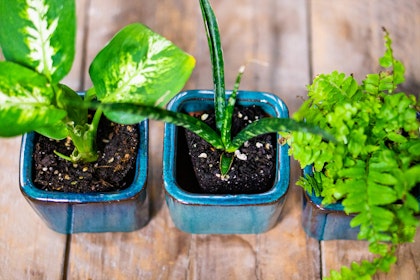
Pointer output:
160, 251
283, 43
28, 249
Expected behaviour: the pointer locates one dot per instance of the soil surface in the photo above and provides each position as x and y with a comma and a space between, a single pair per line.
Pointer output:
117, 146
253, 169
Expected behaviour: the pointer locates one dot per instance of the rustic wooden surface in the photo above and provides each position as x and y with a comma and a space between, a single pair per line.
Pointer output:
291, 41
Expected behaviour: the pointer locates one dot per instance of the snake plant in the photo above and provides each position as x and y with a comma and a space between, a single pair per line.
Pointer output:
221, 137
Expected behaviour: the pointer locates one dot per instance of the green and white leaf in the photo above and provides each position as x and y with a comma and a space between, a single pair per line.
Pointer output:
39, 34
26, 99
140, 66
217, 62
129, 113
270, 125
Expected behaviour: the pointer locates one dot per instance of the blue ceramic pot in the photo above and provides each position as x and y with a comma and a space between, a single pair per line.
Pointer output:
214, 213
328, 222
122, 211
325, 222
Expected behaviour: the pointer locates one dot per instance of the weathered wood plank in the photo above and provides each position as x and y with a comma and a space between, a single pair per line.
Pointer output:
271, 31
28, 249
75, 79
347, 36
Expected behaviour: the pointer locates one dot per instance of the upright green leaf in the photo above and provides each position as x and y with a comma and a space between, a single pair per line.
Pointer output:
228, 114
26, 100
140, 66
39, 34
216, 56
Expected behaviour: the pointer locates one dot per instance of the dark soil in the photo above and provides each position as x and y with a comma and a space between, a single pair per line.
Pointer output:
255, 174
117, 146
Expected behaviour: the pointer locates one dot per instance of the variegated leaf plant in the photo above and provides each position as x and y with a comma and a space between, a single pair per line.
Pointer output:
37, 38
221, 137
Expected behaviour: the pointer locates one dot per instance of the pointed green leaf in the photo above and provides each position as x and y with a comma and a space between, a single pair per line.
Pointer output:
39, 34
228, 114
128, 114
26, 100
270, 125
226, 160
217, 62
140, 66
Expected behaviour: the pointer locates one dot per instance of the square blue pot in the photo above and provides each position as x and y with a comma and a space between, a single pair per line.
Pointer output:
66, 213
327, 222
222, 214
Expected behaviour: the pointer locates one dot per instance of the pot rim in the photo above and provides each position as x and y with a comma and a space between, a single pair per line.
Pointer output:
281, 183
31, 192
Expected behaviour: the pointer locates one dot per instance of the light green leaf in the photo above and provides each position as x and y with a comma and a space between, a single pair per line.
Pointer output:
381, 218
382, 178
380, 194
26, 100
57, 131
139, 66
39, 34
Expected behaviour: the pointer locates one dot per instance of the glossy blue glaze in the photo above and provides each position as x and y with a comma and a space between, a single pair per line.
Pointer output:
223, 214
327, 222
122, 211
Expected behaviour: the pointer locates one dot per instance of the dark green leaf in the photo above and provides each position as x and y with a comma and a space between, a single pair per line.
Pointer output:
129, 113
216, 56
226, 161
270, 125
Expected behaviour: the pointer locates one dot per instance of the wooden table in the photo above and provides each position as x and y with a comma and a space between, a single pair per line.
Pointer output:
293, 40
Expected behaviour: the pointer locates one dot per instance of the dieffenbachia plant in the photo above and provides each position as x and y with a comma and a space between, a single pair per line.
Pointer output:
37, 38
374, 165
220, 138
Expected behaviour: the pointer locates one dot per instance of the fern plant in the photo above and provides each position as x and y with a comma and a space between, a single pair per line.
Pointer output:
374, 164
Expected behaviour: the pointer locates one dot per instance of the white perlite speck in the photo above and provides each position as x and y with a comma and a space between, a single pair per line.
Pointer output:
203, 155
258, 145
204, 117
240, 156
